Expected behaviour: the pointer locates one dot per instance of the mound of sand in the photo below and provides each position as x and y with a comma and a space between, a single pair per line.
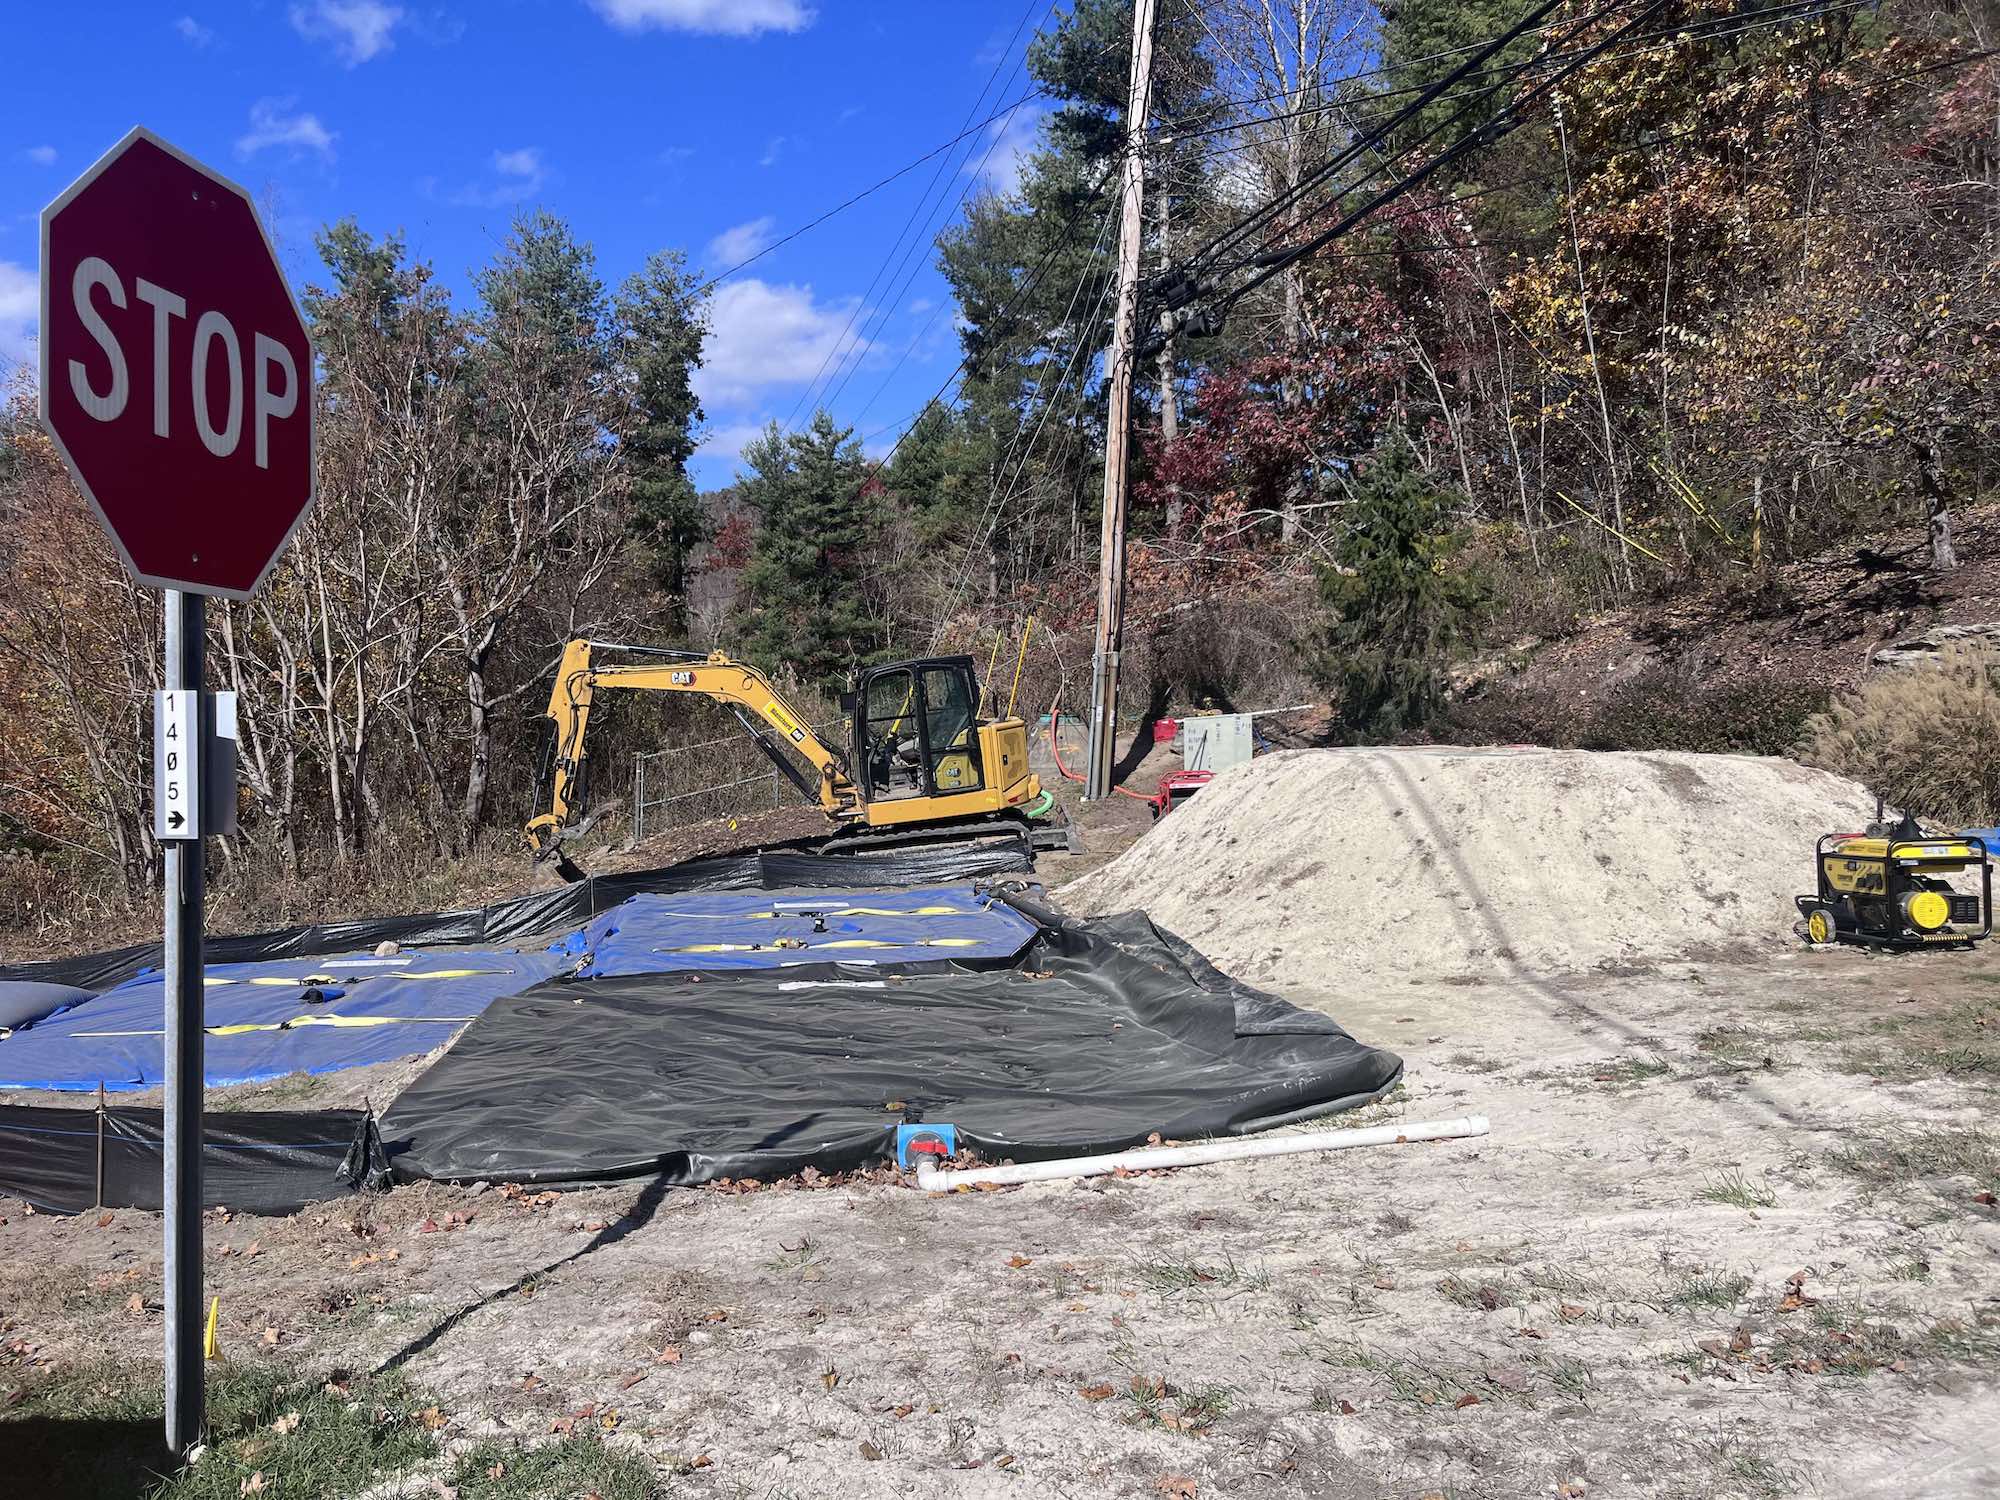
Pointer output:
1321, 868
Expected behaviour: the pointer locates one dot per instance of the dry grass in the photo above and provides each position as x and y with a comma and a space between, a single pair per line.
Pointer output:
1927, 739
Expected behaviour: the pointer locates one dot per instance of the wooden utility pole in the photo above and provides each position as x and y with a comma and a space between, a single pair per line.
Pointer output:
1111, 555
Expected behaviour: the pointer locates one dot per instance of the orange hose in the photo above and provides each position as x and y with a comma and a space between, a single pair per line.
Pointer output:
1055, 749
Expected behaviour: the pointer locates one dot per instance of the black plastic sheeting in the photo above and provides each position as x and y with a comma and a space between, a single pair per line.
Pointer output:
545, 913
1100, 1033
263, 1162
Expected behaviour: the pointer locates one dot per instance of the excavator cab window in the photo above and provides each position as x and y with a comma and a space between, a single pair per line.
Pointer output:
890, 735
950, 738
915, 730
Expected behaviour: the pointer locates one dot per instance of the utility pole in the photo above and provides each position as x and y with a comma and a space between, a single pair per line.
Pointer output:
1111, 555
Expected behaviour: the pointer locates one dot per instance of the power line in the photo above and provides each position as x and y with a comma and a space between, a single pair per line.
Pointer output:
921, 206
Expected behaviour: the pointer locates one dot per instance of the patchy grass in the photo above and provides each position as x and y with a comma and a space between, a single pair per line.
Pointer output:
1631, 1071
1696, 1291
1169, 1277
1906, 1158
1737, 1049
1473, 1062
1960, 1042
1487, 1296
1738, 1191
1157, 1402
94, 1431
571, 1466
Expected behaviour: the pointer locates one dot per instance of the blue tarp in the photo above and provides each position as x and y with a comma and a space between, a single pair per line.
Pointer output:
317, 1015
736, 930
367, 1010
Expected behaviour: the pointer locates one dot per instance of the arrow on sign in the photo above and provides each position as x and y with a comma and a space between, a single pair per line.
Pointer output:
174, 819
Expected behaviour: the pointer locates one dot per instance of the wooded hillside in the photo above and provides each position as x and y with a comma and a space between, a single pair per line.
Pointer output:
1723, 297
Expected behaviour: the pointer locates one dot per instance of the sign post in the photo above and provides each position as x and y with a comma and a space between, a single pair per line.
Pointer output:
182, 941
176, 383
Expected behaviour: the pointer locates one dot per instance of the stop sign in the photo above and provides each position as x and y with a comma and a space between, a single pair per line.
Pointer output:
176, 377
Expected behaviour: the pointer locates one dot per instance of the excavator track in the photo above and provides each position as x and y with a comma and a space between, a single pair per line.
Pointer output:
1039, 835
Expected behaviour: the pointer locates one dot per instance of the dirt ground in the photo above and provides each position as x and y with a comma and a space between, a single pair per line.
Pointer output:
1732, 1234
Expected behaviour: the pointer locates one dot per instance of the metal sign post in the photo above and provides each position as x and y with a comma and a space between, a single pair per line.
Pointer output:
176, 382
178, 774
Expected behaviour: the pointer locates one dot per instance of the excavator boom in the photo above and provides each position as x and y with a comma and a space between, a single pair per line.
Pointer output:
761, 707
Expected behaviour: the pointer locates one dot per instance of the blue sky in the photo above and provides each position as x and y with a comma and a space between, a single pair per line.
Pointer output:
712, 126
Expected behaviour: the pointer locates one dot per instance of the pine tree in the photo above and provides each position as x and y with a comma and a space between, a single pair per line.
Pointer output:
806, 583
660, 332
1399, 600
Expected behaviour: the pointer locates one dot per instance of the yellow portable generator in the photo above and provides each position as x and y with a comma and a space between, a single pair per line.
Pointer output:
1890, 889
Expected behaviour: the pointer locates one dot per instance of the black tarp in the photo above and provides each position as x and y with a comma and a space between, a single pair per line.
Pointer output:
546, 913
260, 1162
1099, 1034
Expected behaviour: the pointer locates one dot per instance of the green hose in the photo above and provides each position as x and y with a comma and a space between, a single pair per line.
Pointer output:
1039, 808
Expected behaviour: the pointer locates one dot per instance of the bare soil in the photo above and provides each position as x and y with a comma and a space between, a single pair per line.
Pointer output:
1732, 1234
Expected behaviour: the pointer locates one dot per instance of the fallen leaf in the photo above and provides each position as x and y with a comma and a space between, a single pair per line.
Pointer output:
498, 1471
1346, 1407
289, 1422
104, 1221
253, 1250
829, 1377
1102, 1392
135, 1303
1528, 1333
563, 1426
631, 1380
1178, 1486
869, 1451
902, 1411
1017, 1261
671, 1355
1571, 1312
254, 1485
1383, 1283
529, 1382
1740, 1340
1984, 1197
432, 1418
271, 1337
1468, 1399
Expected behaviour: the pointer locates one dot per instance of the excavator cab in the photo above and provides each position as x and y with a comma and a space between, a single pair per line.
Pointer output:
916, 729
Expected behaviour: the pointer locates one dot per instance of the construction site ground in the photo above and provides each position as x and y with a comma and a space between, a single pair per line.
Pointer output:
1733, 1234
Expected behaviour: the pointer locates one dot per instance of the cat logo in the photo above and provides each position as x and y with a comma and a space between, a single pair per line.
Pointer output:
682, 679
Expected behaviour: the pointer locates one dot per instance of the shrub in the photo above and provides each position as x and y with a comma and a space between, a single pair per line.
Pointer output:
1661, 708
1926, 739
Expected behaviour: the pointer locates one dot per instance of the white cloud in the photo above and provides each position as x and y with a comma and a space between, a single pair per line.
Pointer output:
270, 126
524, 163
41, 156
729, 440
1010, 141
772, 151
20, 310
357, 29
193, 32
762, 335
523, 172
715, 17
742, 242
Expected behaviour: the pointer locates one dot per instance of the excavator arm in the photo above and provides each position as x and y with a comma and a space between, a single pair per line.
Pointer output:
773, 723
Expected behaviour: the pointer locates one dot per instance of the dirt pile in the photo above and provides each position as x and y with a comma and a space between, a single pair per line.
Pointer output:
1324, 868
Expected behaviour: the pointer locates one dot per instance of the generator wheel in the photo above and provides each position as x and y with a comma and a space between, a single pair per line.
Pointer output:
1822, 926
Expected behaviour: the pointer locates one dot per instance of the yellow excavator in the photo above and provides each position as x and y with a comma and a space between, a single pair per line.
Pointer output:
919, 764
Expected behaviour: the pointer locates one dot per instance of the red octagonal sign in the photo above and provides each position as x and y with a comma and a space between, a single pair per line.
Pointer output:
176, 378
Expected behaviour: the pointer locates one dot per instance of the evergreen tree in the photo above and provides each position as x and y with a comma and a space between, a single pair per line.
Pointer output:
806, 585
660, 331
1424, 40
1398, 599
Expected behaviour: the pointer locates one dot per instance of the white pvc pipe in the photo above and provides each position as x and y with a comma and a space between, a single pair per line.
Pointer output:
1145, 1158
